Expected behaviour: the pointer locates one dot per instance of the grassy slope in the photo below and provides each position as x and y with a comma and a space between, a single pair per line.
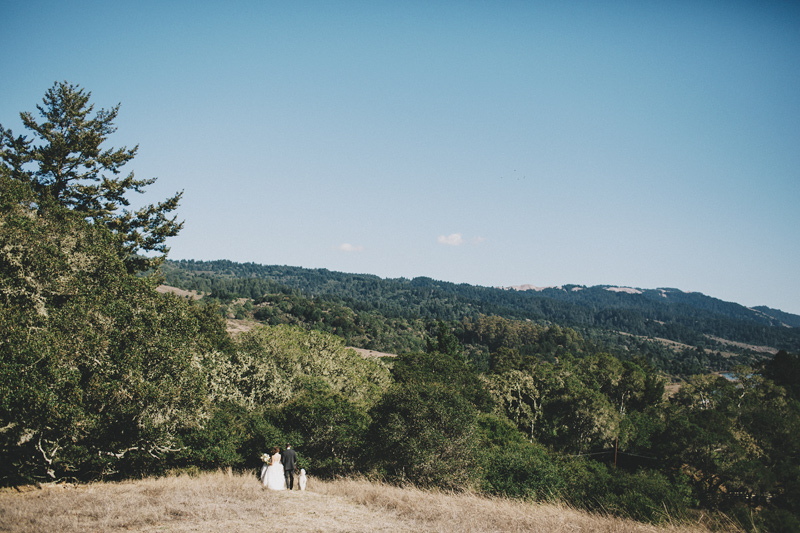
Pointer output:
223, 501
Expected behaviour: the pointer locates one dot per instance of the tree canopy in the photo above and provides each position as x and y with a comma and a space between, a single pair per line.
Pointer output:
66, 164
98, 372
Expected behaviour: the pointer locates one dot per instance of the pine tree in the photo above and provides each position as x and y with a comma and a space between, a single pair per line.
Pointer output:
65, 164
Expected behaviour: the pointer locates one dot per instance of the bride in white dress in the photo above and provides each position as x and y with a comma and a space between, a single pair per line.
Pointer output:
272, 471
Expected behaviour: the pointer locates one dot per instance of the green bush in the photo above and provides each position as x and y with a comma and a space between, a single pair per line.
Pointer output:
521, 470
425, 434
779, 521
232, 436
328, 429
645, 495
512, 466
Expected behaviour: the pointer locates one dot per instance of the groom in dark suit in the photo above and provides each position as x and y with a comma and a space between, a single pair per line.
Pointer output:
289, 460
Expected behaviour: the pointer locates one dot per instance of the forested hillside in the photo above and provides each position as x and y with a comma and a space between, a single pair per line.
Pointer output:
705, 333
558, 395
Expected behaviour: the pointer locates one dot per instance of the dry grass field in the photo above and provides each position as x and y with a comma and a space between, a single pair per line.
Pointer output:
227, 501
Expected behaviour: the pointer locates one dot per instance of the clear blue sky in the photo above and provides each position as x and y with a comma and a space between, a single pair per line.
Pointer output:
645, 144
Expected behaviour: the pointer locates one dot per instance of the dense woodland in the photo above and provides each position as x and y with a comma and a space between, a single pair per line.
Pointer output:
706, 333
557, 395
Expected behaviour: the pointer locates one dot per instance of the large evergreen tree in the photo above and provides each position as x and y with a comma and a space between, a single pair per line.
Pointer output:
66, 164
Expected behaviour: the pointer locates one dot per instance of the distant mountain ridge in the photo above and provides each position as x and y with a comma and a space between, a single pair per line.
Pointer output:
787, 318
688, 318
767, 315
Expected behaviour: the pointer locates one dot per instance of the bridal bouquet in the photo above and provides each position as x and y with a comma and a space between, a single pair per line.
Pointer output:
265, 457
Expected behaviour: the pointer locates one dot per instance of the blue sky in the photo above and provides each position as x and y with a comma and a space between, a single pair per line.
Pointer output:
645, 144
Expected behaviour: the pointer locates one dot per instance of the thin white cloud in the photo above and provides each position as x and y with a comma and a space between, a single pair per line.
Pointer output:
347, 247
451, 240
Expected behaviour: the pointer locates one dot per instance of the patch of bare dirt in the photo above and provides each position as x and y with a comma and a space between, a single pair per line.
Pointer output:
675, 345
751, 347
236, 326
371, 353
194, 295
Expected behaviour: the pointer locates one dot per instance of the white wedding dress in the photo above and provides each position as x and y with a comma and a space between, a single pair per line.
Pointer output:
272, 475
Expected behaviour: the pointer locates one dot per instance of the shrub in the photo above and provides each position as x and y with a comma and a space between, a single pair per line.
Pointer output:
327, 428
521, 470
425, 434
645, 495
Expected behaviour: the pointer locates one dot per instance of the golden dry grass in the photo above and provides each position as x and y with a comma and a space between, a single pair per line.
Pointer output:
226, 501
194, 295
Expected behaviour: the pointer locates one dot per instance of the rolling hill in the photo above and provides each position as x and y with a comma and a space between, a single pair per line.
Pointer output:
662, 323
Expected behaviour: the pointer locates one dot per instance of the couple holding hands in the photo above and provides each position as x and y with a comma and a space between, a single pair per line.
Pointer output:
277, 473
